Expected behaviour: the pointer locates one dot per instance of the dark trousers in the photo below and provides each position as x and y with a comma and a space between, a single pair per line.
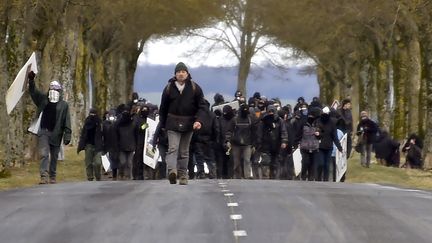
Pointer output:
204, 154
48, 155
114, 163
224, 165
138, 163
286, 166
323, 164
309, 158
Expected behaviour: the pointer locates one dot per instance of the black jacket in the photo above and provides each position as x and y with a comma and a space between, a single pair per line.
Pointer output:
110, 138
242, 131
271, 134
346, 116
328, 134
126, 130
367, 131
182, 108
91, 133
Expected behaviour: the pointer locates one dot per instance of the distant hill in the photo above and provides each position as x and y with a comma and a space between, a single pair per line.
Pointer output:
269, 81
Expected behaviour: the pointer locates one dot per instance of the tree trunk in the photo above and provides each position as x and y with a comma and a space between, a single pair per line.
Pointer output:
413, 85
384, 95
400, 64
243, 73
427, 70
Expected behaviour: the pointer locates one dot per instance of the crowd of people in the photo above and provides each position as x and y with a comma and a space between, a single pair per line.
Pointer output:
241, 139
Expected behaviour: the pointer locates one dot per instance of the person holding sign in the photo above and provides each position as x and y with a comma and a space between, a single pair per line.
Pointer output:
55, 126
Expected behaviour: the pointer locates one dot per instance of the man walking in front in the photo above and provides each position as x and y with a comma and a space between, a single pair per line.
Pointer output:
181, 111
55, 125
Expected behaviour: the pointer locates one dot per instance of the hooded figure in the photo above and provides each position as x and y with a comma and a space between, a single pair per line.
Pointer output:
55, 126
91, 142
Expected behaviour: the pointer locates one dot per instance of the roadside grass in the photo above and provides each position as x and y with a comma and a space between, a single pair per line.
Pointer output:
69, 170
72, 169
380, 174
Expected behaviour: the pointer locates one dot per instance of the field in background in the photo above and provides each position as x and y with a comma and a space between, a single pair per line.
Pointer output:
72, 169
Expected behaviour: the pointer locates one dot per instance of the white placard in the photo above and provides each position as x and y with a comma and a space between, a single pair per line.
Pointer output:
19, 85
341, 159
151, 155
106, 163
297, 158
234, 105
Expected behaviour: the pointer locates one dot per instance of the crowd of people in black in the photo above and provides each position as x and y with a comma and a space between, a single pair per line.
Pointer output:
240, 139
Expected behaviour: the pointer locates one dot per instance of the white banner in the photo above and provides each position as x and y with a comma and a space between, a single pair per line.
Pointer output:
297, 158
341, 159
234, 104
19, 85
151, 155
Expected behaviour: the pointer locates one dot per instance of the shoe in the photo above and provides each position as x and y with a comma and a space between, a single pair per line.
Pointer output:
172, 178
43, 181
52, 181
183, 181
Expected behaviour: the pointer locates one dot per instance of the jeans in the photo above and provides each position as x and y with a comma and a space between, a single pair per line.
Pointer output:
48, 155
365, 155
177, 157
323, 166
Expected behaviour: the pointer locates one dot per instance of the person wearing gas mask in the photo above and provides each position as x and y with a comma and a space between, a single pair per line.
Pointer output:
55, 126
224, 164
308, 139
272, 137
91, 141
241, 137
110, 141
126, 134
140, 120
328, 132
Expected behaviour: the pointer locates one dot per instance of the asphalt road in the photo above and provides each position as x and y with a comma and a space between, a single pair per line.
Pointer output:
215, 211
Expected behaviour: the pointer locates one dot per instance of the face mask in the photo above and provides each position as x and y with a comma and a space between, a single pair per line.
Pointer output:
53, 96
304, 112
111, 118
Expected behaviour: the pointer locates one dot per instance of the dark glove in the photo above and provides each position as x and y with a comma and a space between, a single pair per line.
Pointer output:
31, 75
66, 142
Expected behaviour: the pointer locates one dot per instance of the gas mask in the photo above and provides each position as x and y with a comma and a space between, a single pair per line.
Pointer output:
53, 96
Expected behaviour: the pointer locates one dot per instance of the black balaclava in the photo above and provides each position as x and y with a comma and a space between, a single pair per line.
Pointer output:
144, 112
244, 110
227, 112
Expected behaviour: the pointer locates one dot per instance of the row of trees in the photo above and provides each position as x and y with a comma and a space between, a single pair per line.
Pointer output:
75, 38
378, 53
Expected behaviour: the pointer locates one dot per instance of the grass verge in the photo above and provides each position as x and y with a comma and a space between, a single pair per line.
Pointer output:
71, 169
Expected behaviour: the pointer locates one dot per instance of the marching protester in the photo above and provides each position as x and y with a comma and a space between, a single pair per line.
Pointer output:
328, 136
224, 163
181, 111
110, 141
272, 138
240, 138
308, 139
91, 141
55, 126
366, 130
140, 120
125, 128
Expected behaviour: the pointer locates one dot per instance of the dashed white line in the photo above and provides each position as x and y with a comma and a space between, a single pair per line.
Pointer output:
232, 204
229, 194
236, 216
239, 233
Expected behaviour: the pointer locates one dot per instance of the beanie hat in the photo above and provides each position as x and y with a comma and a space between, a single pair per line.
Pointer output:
363, 114
180, 67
